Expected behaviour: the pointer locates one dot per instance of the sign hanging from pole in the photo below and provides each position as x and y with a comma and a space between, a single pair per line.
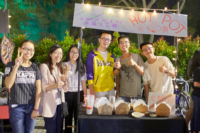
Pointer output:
103, 18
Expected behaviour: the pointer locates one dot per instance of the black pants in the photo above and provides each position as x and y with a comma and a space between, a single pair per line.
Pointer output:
71, 98
55, 123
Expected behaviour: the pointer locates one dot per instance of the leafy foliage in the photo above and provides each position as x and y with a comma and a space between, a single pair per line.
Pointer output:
186, 49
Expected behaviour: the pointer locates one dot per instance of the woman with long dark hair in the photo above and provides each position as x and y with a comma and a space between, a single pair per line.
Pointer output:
71, 95
23, 77
195, 71
53, 85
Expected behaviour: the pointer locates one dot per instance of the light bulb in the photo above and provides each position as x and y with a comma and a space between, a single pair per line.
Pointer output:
110, 10
121, 11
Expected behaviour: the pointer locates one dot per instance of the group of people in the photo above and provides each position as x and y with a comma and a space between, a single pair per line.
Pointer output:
37, 91
157, 71
40, 91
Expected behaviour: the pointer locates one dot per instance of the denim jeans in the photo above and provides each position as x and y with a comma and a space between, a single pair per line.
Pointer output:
195, 121
20, 118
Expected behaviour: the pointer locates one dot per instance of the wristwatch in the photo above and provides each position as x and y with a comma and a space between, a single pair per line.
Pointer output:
167, 71
37, 110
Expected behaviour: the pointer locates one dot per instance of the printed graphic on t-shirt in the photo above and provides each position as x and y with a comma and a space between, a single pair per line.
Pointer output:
26, 77
128, 71
103, 63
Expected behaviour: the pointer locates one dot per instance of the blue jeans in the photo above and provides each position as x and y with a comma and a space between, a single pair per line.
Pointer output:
128, 99
55, 123
20, 118
195, 121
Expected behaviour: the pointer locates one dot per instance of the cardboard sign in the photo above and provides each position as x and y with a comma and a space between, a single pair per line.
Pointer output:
104, 18
6, 50
156, 98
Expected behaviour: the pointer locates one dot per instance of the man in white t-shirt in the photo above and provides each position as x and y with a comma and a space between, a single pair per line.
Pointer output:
158, 71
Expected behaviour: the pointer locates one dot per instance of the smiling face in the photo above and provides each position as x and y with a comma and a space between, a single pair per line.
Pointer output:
104, 40
147, 51
124, 44
74, 54
28, 50
57, 55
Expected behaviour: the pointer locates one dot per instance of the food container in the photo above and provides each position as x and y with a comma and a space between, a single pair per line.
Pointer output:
89, 110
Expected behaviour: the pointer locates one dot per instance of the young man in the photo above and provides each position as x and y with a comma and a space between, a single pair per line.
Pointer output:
158, 71
100, 68
130, 67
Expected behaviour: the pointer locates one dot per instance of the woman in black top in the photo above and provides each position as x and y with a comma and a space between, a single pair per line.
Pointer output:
195, 71
23, 77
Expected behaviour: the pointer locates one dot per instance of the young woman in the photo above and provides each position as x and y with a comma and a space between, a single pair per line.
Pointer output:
52, 89
23, 77
195, 71
72, 85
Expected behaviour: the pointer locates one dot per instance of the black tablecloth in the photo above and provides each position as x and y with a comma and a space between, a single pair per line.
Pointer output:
128, 124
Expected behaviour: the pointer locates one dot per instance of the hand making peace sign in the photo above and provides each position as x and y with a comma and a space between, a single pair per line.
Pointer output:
19, 59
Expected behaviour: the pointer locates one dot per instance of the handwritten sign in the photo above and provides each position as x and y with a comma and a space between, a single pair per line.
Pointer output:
156, 98
104, 18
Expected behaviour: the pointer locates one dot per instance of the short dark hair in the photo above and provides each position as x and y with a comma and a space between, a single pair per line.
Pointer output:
145, 43
105, 32
123, 36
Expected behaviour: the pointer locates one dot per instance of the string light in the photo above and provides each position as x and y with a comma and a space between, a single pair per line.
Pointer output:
121, 11
9, 16
110, 10
171, 10
83, 27
174, 52
154, 12
173, 58
87, 5
179, 39
9, 26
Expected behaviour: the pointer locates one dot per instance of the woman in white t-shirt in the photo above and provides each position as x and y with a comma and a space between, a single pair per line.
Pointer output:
72, 85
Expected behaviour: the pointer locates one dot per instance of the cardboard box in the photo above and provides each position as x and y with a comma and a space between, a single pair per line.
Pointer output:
163, 109
122, 109
105, 110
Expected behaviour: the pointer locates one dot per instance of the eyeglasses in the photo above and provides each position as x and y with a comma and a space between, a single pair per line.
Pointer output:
146, 50
26, 50
126, 42
57, 53
74, 53
104, 39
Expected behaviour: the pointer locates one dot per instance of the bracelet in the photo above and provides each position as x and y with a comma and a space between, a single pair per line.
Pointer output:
37, 110
167, 71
